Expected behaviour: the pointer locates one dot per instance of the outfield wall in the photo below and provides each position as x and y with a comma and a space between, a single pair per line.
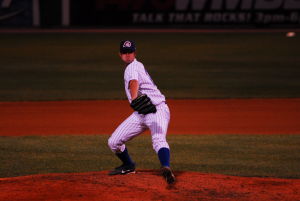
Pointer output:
151, 13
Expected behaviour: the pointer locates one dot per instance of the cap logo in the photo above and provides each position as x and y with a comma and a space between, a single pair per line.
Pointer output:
127, 44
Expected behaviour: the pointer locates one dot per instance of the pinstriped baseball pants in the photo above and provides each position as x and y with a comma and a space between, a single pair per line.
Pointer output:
136, 123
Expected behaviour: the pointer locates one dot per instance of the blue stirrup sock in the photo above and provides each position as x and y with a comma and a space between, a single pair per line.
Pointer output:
125, 158
164, 157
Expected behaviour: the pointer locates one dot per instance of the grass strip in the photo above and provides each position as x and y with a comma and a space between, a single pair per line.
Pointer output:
86, 66
241, 155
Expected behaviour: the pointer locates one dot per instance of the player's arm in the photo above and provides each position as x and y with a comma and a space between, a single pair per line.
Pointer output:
140, 102
133, 88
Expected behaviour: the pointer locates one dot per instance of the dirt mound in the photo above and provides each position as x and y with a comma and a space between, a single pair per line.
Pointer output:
146, 185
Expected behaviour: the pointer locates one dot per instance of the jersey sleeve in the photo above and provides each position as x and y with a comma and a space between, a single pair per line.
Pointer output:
132, 73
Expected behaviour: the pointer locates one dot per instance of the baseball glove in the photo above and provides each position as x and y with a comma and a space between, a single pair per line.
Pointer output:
143, 105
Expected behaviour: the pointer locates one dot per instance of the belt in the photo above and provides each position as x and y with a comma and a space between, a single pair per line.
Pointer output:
161, 104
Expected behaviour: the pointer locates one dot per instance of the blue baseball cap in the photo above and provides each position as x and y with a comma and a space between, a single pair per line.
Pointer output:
127, 46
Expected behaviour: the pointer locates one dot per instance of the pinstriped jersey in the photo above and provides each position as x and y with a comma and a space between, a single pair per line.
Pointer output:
136, 71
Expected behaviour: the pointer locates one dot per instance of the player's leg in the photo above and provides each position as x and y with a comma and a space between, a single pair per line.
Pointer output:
127, 130
158, 125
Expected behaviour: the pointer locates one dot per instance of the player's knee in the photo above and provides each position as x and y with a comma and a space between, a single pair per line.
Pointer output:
158, 144
115, 145
112, 144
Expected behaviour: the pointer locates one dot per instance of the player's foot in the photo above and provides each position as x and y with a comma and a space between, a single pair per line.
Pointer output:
123, 169
168, 175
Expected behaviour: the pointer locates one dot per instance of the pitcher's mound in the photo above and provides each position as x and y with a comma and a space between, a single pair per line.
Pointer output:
146, 185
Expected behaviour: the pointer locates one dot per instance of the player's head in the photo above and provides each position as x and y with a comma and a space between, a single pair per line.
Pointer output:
127, 51
127, 46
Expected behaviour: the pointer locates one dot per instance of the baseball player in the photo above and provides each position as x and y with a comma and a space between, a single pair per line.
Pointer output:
150, 112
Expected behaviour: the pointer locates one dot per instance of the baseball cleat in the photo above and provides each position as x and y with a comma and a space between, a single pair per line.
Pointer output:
168, 175
123, 169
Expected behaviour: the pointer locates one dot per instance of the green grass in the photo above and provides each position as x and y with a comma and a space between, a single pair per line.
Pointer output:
242, 155
86, 66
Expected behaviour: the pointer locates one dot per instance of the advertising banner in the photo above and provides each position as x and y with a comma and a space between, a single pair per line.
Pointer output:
150, 13
16, 13
189, 13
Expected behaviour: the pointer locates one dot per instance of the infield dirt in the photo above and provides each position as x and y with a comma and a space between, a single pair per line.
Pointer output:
228, 116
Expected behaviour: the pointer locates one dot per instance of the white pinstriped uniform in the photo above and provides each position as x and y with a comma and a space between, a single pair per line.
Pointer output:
136, 123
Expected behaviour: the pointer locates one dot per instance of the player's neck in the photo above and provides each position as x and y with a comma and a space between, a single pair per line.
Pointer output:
127, 63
